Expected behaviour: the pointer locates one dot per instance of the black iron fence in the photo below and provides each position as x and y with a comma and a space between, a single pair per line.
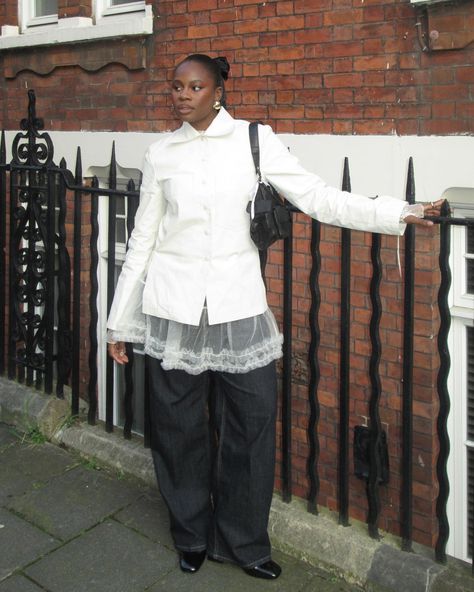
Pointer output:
43, 343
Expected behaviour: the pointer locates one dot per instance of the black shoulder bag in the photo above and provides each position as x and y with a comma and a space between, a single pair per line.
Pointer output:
270, 219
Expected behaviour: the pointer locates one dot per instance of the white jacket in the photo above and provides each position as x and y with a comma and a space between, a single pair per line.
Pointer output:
191, 239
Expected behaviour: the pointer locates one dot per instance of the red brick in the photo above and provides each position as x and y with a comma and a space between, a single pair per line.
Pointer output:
376, 95
254, 26
323, 35
294, 112
302, 6
342, 80
375, 30
374, 62
342, 17
367, 127
251, 55
442, 76
285, 37
286, 53
226, 14
225, 29
351, 48
283, 68
285, 82
283, 23
284, 7
341, 34
465, 74
226, 43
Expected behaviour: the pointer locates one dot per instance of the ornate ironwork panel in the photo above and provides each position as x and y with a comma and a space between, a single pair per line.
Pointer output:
39, 262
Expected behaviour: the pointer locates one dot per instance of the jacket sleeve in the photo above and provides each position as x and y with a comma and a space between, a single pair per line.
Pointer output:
125, 314
314, 197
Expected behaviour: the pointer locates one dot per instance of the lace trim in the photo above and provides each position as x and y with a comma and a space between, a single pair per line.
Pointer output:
224, 361
237, 346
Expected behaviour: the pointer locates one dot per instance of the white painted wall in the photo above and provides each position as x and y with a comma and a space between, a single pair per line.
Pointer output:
378, 164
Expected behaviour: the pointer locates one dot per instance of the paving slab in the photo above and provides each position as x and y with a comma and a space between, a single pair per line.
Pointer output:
7, 436
74, 501
121, 540
149, 516
216, 577
19, 583
107, 558
24, 464
391, 566
458, 578
20, 543
326, 582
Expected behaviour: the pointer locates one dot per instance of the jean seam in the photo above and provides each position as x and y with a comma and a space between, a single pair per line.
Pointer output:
192, 549
247, 565
219, 465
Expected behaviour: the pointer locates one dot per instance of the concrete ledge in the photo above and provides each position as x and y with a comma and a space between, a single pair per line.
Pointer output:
27, 408
347, 551
111, 449
378, 566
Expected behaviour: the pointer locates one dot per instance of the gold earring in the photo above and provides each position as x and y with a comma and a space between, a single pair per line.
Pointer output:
217, 105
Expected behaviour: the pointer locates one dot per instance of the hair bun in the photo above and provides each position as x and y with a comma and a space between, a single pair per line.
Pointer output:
224, 66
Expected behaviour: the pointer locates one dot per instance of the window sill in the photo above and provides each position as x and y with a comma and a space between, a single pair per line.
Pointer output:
80, 29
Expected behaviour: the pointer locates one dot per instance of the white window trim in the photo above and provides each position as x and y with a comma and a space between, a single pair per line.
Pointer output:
457, 427
425, 2
27, 18
104, 8
462, 306
461, 298
119, 23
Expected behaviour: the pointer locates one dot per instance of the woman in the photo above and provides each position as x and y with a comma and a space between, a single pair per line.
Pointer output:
192, 292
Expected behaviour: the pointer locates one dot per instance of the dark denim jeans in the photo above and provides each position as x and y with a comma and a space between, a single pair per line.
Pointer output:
218, 497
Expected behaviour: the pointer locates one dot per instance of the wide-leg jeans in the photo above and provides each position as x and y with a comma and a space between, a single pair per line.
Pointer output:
218, 497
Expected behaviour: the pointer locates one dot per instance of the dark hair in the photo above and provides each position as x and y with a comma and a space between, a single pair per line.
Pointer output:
218, 68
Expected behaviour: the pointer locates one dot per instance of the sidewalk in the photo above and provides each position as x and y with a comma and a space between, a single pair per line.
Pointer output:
84, 513
67, 525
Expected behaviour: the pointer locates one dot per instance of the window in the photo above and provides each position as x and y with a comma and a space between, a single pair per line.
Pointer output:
45, 7
39, 23
470, 260
125, 208
108, 8
470, 441
36, 13
463, 263
461, 386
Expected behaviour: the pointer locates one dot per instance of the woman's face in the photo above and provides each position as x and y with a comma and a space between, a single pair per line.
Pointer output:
194, 93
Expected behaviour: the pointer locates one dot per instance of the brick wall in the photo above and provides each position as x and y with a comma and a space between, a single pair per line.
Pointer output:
390, 368
305, 66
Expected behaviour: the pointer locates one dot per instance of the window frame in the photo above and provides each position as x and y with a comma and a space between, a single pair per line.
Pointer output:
105, 8
28, 19
461, 297
461, 308
134, 18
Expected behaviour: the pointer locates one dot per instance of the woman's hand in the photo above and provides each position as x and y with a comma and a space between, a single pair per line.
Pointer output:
430, 209
117, 352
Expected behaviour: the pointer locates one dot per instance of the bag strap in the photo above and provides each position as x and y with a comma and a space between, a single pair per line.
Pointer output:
254, 146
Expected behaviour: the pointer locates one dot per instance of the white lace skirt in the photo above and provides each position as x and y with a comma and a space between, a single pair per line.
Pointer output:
236, 346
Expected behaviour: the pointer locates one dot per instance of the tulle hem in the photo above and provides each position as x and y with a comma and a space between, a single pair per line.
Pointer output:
235, 347
224, 361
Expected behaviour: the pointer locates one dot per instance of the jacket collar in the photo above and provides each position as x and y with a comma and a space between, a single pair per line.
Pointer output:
221, 125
